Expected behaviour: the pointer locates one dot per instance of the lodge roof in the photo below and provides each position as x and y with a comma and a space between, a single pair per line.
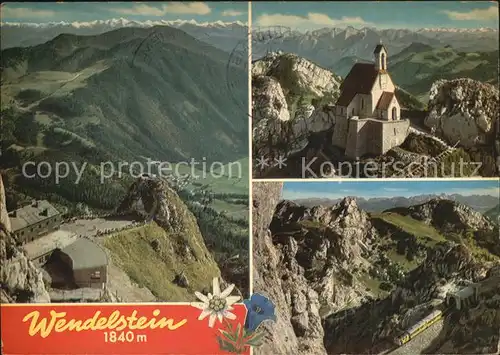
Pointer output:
85, 254
31, 214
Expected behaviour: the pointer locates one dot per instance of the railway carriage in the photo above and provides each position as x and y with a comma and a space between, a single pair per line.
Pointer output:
419, 327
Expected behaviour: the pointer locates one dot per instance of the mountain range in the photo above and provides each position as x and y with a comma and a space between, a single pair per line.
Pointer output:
480, 203
223, 35
129, 92
123, 96
328, 45
417, 58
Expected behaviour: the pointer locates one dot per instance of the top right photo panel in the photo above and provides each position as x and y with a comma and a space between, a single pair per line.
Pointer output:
375, 89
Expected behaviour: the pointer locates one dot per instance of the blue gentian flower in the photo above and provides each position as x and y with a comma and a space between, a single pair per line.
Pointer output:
259, 308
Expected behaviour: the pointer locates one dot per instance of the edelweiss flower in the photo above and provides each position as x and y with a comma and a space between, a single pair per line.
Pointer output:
218, 305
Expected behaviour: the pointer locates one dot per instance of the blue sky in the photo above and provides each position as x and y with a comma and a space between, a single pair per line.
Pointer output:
381, 14
339, 189
139, 11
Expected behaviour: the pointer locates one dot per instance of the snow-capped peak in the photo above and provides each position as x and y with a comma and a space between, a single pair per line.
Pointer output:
122, 22
457, 30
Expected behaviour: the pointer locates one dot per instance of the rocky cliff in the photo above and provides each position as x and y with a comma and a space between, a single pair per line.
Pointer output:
295, 301
463, 110
309, 255
296, 74
21, 281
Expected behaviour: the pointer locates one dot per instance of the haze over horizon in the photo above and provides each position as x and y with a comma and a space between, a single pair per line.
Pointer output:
387, 189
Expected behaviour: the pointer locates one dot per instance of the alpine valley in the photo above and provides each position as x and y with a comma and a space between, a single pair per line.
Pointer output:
122, 94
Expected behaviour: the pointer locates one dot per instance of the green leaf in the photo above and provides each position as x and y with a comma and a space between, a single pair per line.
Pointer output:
229, 326
238, 331
246, 332
228, 347
230, 336
256, 340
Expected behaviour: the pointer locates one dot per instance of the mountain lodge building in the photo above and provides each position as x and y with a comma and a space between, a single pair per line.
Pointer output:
367, 112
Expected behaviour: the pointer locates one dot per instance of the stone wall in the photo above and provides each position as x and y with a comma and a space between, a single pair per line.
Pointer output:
340, 129
368, 136
394, 134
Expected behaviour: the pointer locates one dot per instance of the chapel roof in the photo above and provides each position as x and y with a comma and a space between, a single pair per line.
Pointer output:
385, 100
360, 80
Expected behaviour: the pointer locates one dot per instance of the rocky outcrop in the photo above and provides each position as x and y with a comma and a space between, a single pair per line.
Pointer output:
463, 110
272, 132
152, 198
268, 100
314, 251
289, 95
348, 232
447, 215
21, 281
297, 74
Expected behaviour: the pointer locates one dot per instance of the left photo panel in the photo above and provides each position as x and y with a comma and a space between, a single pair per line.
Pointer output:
124, 152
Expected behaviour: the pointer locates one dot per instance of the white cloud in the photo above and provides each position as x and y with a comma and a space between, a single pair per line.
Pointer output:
397, 189
311, 21
178, 8
232, 13
24, 12
490, 13
298, 195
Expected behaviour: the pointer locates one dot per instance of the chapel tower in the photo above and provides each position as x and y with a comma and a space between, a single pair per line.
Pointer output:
380, 54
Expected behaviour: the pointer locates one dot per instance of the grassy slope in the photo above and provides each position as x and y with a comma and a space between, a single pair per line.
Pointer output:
396, 229
156, 270
426, 233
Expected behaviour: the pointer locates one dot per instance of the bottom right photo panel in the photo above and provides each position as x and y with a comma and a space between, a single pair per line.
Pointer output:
378, 267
